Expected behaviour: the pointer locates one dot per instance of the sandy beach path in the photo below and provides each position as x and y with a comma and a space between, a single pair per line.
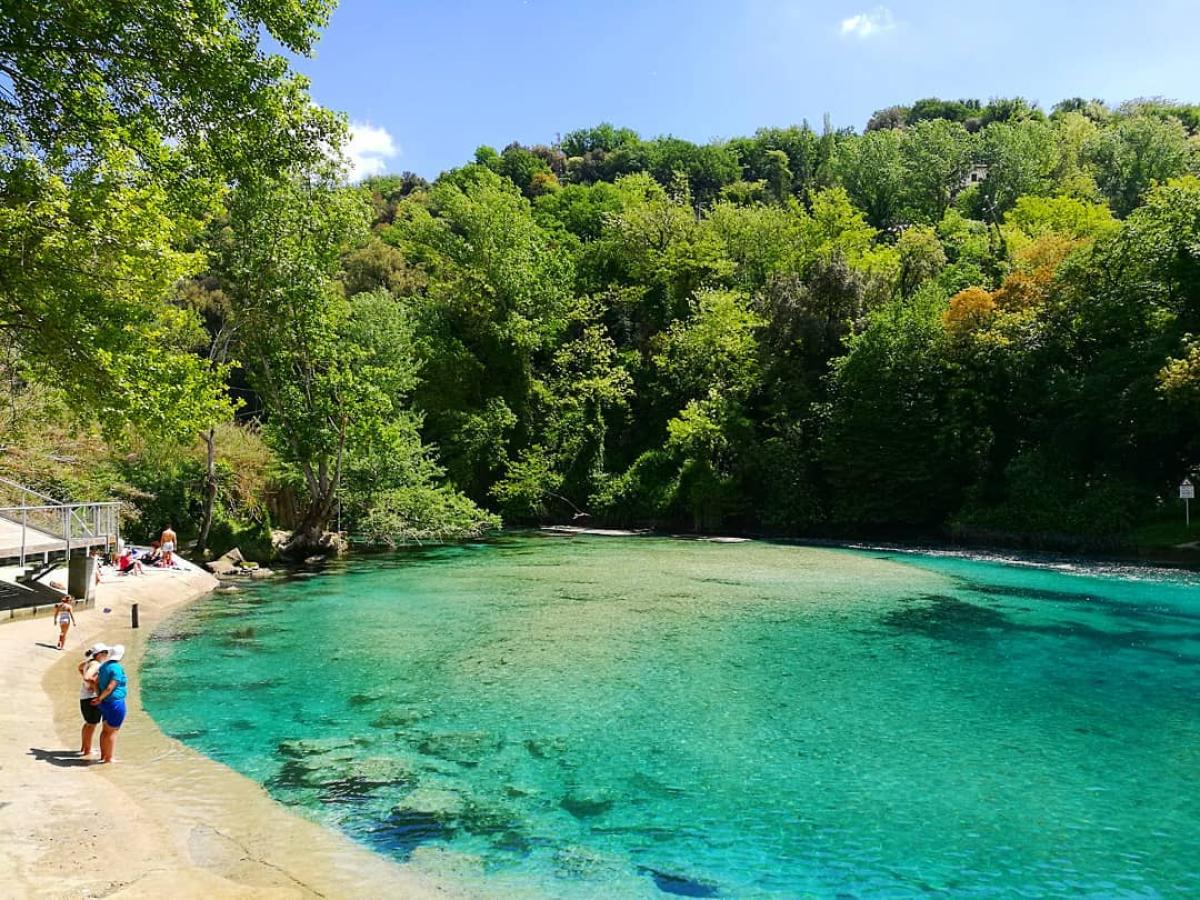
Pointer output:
164, 820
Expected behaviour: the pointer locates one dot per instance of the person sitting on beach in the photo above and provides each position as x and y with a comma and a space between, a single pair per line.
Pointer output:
111, 683
64, 615
153, 557
88, 670
127, 565
168, 540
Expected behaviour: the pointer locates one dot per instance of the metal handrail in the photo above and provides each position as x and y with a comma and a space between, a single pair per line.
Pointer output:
59, 507
32, 493
67, 522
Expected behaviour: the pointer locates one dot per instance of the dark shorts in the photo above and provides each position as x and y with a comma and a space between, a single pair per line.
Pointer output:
113, 712
91, 714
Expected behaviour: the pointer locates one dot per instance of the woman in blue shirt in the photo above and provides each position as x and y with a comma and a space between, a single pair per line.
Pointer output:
111, 683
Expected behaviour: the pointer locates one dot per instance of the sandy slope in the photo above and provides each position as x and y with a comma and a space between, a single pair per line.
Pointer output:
164, 820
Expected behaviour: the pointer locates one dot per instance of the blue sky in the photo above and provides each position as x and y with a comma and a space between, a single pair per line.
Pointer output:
434, 80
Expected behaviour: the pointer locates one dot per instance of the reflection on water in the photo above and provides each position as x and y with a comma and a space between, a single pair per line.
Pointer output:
646, 717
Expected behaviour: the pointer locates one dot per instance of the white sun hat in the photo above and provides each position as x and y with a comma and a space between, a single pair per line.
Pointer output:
115, 652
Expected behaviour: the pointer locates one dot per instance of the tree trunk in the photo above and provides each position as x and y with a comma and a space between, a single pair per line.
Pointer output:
210, 490
312, 533
315, 520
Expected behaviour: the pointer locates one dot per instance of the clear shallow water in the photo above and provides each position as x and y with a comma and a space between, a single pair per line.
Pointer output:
645, 717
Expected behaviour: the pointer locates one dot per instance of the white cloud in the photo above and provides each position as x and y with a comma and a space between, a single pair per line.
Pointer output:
868, 24
368, 150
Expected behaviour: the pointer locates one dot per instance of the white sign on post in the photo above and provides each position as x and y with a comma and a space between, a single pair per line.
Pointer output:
1187, 490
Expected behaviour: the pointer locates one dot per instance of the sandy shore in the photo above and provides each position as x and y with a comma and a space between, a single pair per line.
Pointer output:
164, 820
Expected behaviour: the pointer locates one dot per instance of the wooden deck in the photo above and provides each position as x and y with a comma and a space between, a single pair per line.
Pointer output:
37, 542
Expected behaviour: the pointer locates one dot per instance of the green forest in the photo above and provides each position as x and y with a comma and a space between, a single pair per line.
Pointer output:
974, 319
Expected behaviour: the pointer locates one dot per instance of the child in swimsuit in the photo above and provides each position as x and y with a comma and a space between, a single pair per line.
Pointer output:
89, 669
64, 615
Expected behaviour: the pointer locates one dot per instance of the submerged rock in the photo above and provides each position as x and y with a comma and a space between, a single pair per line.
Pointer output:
520, 790
575, 861
383, 770
584, 804
442, 803
342, 773
545, 748
366, 698
311, 772
263, 684
485, 817
427, 814
512, 841
312, 746
447, 863
167, 636
398, 718
346, 790
680, 885
466, 748
188, 735
648, 784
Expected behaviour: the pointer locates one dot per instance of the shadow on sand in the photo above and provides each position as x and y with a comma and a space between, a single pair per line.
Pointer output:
64, 759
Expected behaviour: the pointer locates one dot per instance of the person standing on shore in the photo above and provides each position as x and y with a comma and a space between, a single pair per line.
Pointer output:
88, 670
111, 683
64, 615
167, 542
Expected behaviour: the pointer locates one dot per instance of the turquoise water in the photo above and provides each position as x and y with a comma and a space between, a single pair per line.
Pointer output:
611, 717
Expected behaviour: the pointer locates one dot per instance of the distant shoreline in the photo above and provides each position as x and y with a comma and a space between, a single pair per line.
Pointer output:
999, 550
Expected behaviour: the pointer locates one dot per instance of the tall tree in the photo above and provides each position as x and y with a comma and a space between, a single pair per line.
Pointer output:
1139, 151
871, 168
295, 331
497, 301
937, 157
122, 122
87, 263
163, 79
1021, 158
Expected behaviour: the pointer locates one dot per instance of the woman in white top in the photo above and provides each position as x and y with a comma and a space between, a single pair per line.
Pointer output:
64, 615
88, 670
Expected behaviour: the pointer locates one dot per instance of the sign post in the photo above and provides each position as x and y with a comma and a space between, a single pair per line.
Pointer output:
1187, 493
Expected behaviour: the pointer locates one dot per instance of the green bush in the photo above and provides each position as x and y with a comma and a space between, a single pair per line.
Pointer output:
424, 513
646, 492
1043, 498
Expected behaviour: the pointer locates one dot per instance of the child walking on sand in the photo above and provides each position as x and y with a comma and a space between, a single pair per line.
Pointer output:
64, 615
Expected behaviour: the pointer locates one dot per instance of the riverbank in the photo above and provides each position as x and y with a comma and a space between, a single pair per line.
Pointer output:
164, 819
1166, 547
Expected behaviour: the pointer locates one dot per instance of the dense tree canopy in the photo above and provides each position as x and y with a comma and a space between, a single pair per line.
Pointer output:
940, 321
971, 315
120, 125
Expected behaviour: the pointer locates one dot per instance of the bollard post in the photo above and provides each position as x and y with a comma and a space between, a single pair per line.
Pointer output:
133, 612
